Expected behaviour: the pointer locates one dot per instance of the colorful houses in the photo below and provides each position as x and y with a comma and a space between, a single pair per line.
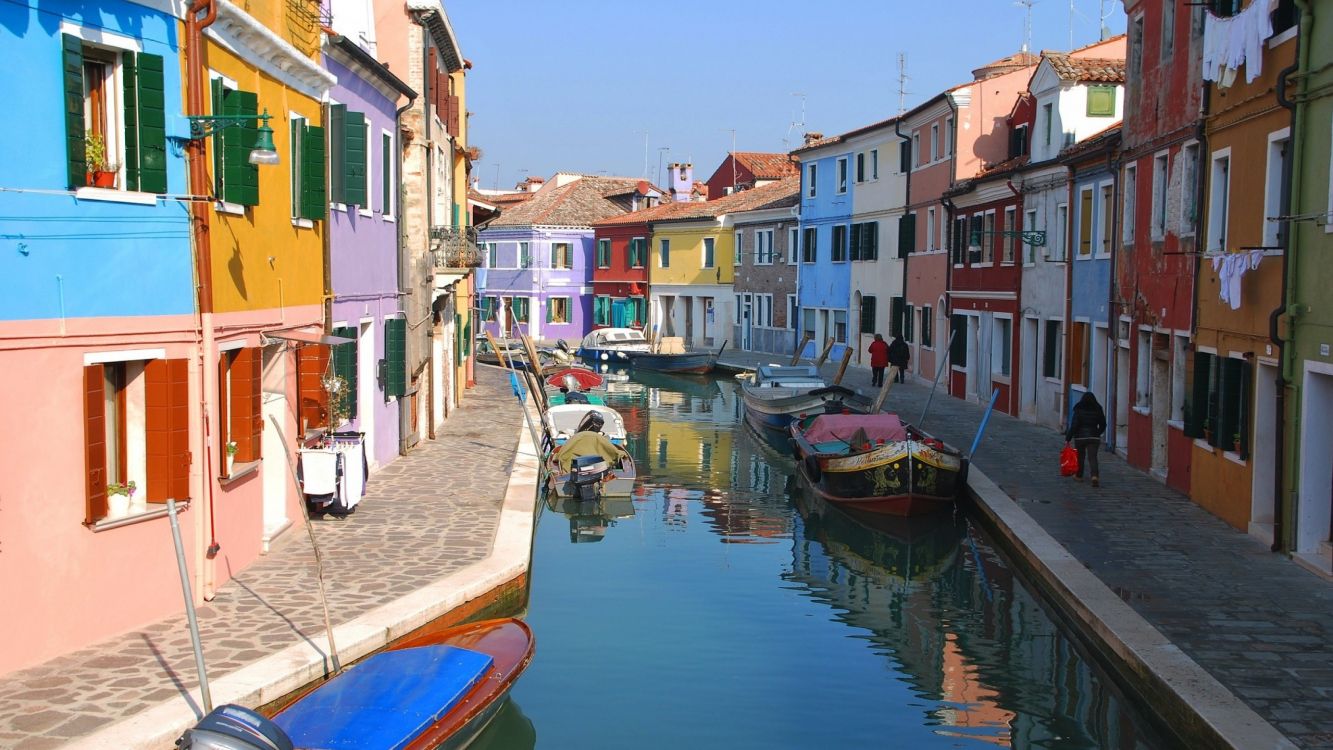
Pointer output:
767, 242
742, 170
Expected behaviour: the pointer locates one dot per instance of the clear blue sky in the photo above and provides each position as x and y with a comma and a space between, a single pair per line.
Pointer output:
573, 85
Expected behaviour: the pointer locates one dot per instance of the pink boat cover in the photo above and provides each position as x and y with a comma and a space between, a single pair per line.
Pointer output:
829, 427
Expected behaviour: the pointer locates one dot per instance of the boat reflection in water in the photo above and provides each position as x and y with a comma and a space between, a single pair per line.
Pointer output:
936, 599
509, 730
589, 519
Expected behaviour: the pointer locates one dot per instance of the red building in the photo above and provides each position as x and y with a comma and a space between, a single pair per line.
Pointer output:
620, 271
1159, 227
742, 170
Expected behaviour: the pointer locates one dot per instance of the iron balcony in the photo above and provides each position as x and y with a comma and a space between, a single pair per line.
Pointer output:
455, 247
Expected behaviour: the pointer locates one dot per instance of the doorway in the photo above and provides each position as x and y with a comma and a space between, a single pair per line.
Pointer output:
1263, 450
273, 446
365, 383
1315, 500
1027, 404
1122, 398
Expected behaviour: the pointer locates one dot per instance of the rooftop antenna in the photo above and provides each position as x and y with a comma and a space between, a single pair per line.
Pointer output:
794, 124
1026, 5
1072, 11
902, 82
497, 175
1101, 21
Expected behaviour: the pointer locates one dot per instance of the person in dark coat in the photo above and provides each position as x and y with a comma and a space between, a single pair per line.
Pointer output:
899, 356
1087, 422
879, 359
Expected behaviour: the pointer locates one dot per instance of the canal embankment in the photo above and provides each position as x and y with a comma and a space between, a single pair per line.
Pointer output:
441, 533
1229, 643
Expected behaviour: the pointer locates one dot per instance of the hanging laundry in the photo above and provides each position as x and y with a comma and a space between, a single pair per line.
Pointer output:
1230, 269
1236, 40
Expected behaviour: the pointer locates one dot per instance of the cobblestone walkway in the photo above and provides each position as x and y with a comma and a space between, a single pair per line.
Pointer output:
424, 516
1256, 621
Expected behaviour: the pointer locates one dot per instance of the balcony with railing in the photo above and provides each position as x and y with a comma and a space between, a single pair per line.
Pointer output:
455, 247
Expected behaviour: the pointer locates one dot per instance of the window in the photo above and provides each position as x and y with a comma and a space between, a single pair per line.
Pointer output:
1275, 204
367, 184
1179, 353
349, 181
524, 255
1101, 101
907, 235
122, 115
1168, 30
808, 324
601, 311
793, 240
1218, 199
1085, 223
763, 247
1143, 375
1134, 71
861, 167
562, 255
1127, 221
897, 312
664, 253
1018, 141
1061, 231
916, 149
737, 248
1219, 407
1078, 353
492, 259
810, 245
930, 229
489, 305
840, 326
1189, 187
1001, 345
557, 310
792, 310
239, 395
988, 239
867, 313
518, 309
948, 136
811, 172
1159, 184
958, 340
960, 240
636, 251
604, 253
1051, 350
839, 243
927, 327
1029, 223
842, 175
763, 305
136, 431
975, 238
709, 259
309, 195
1007, 240
388, 164
1047, 122
934, 141
905, 156
1107, 211
874, 164
865, 241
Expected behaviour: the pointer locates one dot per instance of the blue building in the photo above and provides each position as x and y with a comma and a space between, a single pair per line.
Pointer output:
824, 273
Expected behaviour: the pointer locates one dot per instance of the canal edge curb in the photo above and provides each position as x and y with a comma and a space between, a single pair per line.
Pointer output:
1174, 684
296, 666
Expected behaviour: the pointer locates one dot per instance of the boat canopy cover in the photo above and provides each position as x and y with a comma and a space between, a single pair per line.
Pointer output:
840, 427
563, 421
604, 336
387, 700
779, 376
586, 378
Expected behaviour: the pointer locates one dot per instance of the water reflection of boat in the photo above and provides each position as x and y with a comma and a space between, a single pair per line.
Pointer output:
589, 519
695, 386
511, 730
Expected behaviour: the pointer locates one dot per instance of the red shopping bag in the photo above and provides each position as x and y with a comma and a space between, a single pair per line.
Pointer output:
1068, 461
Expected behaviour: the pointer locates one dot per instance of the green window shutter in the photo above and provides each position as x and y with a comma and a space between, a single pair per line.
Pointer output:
958, 346
855, 250
337, 152
314, 200
906, 235
129, 67
344, 366
76, 159
1246, 376
550, 310
395, 357
896, 313
1231, 419
872, 243
354, 145
1101, 101
152, 116
219, 139
240, 178
867, 314
386, 175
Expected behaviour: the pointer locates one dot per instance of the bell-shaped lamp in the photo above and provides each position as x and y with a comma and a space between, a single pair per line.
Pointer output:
264, 152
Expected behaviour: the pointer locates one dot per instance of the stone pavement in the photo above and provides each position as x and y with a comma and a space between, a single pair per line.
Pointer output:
1257, 622
425, 515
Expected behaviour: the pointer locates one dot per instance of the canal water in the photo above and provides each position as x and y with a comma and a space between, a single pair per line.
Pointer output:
724, 606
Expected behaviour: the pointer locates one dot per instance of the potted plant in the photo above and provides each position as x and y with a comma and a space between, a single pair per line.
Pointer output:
1235, 443
231, 456
101, 171
118, 498
1208, 430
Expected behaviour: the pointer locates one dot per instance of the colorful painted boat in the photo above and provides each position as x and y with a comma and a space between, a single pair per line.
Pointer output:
435, 689
774, 395
876, 463
612, 345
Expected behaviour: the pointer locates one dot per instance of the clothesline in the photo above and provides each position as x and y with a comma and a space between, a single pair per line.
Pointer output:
1232, 41
1230, 268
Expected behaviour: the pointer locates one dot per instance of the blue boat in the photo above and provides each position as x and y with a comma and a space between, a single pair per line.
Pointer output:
693, 363
612, 345
434, 690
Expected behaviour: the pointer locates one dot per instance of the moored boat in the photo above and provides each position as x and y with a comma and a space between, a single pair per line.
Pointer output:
876, 463
436, 689
774, 395
612, 345
695, 363
593, 475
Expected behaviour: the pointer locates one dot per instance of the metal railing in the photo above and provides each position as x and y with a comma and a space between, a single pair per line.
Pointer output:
455, 247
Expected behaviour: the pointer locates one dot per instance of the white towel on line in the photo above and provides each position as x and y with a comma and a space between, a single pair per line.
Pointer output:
319, 472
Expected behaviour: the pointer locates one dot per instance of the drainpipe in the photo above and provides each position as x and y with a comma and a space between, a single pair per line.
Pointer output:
200, 204
907, 202
404, 418
1113, 163
1287, 355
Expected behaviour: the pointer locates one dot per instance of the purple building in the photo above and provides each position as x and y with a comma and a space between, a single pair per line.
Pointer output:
363, 159
537, 272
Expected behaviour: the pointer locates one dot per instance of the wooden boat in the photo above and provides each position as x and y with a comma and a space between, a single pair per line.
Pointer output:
562, 422
579, 379
612, 345
511, 354
697, 363
876, 463
775, 395
433, 690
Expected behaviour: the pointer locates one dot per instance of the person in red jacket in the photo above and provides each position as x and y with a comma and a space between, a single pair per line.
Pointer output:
879, 359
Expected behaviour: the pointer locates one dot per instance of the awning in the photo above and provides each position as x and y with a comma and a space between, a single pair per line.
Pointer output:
306, 337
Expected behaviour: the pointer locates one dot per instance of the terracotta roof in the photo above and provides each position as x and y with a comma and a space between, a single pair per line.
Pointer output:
1092, 143
784, 192
766, 166
1019, 59
577, 204
1087, 69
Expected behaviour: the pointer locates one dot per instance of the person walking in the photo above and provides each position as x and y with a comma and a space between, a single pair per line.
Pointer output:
1087, 422
879, 359
899, 356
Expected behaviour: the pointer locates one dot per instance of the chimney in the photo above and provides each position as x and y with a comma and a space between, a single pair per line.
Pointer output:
812, 137
682, 180
532, 184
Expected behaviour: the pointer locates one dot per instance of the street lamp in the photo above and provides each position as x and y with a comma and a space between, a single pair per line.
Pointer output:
203, 126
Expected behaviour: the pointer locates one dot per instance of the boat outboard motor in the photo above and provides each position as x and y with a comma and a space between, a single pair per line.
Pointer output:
587, 474
233, 727
591, 422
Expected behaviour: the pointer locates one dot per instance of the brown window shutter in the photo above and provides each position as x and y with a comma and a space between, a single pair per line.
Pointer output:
256, 408
454, 116
156, 430
312, 361
178, 428
223, 408
244, 403
94, 442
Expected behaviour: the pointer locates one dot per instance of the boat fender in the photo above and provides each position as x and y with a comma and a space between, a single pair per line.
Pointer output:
812, 468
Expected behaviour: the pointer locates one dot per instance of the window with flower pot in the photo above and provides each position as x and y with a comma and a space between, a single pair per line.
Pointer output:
240, 416
1218, 411
557, 310
115, 117
136, 433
